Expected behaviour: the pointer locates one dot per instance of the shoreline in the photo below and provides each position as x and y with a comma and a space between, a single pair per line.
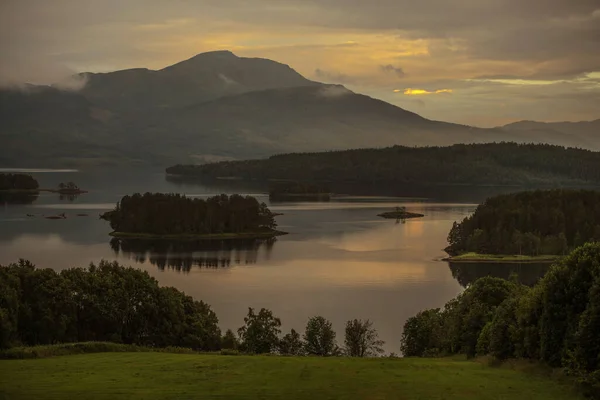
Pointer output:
501, 259
215, 236
35, 191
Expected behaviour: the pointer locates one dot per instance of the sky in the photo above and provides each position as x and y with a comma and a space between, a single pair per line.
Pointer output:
477, 62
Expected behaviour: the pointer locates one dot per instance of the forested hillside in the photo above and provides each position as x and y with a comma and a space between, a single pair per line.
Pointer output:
487, 164
533, 223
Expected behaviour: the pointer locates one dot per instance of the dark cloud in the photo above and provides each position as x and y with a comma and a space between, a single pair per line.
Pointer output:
389, 68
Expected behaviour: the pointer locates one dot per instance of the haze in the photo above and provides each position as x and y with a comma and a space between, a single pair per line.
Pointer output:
482, 63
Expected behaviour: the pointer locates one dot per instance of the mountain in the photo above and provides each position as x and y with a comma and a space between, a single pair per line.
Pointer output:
204, 77
214, 106
584, 134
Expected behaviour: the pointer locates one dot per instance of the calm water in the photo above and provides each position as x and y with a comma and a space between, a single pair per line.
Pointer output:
340, 260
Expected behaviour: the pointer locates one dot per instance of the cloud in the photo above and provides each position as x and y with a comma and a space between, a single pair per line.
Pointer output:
488, 51
334, 91
416, 92
389, 68
332, 77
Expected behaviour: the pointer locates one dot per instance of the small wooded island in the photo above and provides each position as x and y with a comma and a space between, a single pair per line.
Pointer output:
400, 213
298, 191
25, 183
18, 183
535, 226
68, 188
176, 217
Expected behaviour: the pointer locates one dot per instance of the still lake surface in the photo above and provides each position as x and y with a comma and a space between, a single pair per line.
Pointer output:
339, 260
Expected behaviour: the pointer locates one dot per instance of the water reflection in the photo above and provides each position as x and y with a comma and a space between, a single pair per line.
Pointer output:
18, 198
182, 256
68, 197
528, 273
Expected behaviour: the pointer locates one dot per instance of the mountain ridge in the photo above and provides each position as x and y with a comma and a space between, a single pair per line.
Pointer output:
217, 105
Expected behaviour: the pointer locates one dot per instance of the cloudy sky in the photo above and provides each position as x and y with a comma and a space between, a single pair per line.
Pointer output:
478, 62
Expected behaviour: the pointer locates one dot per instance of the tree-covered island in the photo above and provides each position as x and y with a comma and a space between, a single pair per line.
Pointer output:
400, 213
174, 216
18, 182
69, 188
533, 226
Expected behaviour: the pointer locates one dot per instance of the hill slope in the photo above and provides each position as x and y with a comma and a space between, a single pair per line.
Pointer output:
581, 134
160, 376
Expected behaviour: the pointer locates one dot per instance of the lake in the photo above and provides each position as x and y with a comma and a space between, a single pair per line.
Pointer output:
339, 259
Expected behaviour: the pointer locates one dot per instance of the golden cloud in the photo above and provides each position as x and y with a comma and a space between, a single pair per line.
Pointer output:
416, 92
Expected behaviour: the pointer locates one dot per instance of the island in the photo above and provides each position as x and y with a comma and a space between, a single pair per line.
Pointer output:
298, 191
400, 213
538, 226
68, 188
18, 183
177, 217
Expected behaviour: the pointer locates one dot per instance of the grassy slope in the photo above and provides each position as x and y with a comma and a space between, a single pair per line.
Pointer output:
184, 376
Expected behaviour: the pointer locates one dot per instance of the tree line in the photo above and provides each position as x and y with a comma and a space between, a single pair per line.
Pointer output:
171, 214
531, 223
109, 302
18, 182
557, 321
488, 164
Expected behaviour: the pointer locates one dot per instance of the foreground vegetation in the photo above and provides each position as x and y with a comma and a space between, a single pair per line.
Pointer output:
557, 322
485, 164
534, 223
175, 376
172, 216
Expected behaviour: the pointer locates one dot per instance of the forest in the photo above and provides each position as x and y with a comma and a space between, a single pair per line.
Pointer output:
175, 214
556, 321
106, 302
281, 191
18, 182
472, 164
111, 303
541, 222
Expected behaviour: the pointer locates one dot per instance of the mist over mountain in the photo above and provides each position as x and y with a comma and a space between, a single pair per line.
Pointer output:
217, 106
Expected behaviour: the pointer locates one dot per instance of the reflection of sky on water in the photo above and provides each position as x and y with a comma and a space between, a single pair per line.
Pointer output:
340, 260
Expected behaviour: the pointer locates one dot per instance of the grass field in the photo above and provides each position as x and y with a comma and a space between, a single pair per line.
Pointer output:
192, 376
502, 258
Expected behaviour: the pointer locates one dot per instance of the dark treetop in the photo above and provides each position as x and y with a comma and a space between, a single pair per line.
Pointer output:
488, 164
17, 182
532, 223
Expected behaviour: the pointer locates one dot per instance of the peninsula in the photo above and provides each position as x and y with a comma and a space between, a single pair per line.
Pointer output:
534, 226
298, 191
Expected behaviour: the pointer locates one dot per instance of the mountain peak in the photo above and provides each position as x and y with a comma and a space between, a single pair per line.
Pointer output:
222, 54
